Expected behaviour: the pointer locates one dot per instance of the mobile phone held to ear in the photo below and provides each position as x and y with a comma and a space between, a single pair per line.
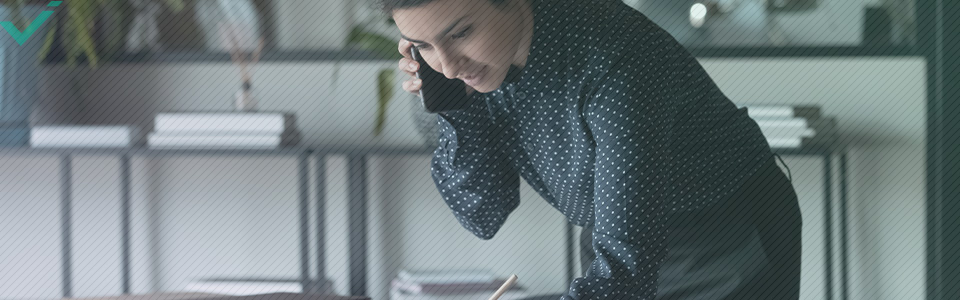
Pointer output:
438, 93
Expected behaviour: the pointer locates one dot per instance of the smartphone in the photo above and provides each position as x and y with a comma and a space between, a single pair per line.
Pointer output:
438, 93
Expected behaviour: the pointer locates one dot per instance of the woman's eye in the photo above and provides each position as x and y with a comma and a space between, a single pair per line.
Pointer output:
462, 34
423, 47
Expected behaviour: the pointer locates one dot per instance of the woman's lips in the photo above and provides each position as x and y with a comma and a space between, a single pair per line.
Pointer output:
474, 79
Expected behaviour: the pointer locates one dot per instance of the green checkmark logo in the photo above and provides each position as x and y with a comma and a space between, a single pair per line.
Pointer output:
22, 36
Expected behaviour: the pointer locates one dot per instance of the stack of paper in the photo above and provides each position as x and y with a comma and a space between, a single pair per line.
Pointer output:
786, 126
229, 130
450, 285
76, 136
244, 286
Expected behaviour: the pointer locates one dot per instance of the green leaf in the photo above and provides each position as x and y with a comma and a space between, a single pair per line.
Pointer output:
384, 94
47, 42
377, 43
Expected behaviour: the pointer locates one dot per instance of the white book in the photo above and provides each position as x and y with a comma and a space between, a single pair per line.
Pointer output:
243, 288
251, 141
446, 276
785, 142
82, 136
775, 122
397, 294
225, 121
787, 132
770, 111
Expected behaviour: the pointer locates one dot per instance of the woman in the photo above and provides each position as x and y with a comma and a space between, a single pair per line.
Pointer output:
619, 128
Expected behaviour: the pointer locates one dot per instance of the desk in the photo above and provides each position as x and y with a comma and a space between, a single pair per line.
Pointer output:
358, 199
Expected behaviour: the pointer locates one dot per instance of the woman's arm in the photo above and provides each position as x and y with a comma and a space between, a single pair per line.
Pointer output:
631, 126
472, 170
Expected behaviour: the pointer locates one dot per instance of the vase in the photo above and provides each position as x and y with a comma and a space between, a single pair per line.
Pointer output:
427, 124
245, 101
19, 75
144, 33
242, 15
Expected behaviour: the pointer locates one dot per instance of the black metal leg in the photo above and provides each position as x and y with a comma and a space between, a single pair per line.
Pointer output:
321, 218
843, 223
125, 220
828, 212
304, 234
569, 236
66, 200
357, 176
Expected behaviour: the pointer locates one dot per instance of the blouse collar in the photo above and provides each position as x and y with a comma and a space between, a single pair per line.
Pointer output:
519, 76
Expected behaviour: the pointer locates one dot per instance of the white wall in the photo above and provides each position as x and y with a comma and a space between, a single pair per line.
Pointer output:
237, 216
880, 105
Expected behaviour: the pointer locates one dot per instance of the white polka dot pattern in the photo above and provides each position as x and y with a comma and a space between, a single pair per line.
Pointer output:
614, 124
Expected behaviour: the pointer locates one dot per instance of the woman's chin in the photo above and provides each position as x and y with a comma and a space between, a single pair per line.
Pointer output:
485, 87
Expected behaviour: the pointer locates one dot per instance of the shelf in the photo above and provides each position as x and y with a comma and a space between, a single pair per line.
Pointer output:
804, 52
156, 152
290, 151
198, 56
357, 55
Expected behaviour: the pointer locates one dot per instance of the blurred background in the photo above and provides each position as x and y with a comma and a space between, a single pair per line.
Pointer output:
348, 204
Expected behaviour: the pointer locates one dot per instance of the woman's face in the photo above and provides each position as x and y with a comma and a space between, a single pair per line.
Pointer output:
464, 38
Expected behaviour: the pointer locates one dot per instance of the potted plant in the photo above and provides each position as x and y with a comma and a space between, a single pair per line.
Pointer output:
22, 22
365, 36
31, 32
78, 34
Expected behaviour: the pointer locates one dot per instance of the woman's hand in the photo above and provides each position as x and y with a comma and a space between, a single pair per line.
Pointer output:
410, 66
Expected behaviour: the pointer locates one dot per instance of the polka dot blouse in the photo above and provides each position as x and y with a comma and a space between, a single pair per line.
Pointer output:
614, 124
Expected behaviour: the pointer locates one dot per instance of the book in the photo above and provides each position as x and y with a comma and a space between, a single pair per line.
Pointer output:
82, 136
208, 296
448, 288
290, 296
224, 122
787, 132
241, 288
785, 142
153, 296
770, 111
230, 140
783, 111
446, 276
513, 294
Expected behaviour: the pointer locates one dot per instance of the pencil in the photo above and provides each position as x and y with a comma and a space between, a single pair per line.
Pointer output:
503, 288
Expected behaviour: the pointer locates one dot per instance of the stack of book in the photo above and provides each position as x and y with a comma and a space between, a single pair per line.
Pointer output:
223, 130
77, 136
243, 286
791, 126
450, 285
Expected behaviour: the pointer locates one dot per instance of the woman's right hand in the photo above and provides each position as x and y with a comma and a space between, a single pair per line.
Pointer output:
409, 66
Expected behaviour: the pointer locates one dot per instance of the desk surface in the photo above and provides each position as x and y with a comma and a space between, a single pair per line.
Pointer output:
206, 296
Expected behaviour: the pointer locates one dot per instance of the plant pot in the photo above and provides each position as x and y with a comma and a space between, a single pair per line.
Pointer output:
427, 124
111, 31
19, 75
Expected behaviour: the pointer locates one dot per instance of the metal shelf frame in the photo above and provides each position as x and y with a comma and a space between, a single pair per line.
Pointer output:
358, 200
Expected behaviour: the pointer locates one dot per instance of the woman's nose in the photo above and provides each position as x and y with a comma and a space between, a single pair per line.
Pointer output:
450, 64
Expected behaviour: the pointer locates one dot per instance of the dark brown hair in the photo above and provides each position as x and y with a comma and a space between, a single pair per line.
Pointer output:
388, 6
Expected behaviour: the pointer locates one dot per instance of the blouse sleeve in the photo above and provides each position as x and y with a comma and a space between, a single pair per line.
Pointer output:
631, 124
471, 169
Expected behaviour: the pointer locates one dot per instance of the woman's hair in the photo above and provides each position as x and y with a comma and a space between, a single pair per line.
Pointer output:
388, 6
